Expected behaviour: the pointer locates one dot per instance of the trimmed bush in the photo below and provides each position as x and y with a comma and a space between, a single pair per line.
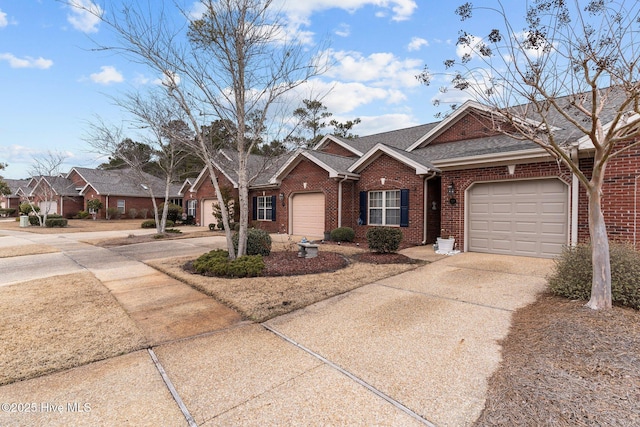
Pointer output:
132, 213
7, 212
143, 213
151, 223
217, 263
384, 239
113, 213
343, 234
258, 242
33, 219
83, 215
56, 222
174, 212
26, 209
572, 274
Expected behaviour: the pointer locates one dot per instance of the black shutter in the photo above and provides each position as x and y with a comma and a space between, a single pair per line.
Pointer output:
362, 217
255, 208
404, 208
274, 199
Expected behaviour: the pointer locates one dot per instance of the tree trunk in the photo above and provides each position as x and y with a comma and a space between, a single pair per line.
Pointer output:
601, 283
224, 209
243, 198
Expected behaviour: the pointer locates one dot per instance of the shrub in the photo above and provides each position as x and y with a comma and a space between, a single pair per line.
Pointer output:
572, 274
174, 213
34, 220
384, 239
151, 223
217, 263
132, 213
56, 222
143, 213
7, 212
26, 209
258, 242
113, 213
94, 205
83, 214
343, 234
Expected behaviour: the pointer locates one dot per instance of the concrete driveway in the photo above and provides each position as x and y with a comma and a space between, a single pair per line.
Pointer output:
415, 349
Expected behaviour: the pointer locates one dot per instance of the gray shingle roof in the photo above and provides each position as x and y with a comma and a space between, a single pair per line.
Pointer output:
17, 184
400, 138
125, 182
340, 164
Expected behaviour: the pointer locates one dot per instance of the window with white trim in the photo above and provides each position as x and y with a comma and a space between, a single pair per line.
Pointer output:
265, 208
384, 207
191, 208
121, 206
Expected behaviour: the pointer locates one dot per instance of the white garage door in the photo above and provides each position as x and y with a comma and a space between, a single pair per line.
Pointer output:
528, 218
207, 212
308, 215
50, 207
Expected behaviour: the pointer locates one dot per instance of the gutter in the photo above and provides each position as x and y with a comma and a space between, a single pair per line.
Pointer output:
425, 208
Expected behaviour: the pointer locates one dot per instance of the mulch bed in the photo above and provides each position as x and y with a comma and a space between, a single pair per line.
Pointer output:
565, 364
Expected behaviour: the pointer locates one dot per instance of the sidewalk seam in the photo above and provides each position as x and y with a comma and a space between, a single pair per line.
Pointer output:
348, 374
172, 389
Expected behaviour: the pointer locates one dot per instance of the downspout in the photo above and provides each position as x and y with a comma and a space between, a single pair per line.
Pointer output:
635, 210
340, 200
106, 208
575, 193
425, 209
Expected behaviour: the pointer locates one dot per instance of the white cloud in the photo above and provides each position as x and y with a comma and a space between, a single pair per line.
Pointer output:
300, 11
380, 69
343, 30
3, 19
417, 43
84, 15
107, 76
376, 124
26, 62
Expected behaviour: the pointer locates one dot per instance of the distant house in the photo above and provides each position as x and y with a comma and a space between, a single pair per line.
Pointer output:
68, 194
18, 187
458, 177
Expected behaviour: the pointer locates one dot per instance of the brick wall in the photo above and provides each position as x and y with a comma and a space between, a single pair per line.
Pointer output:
207, 191
397, 177
621, 198
469, 126
333, 148
453, 215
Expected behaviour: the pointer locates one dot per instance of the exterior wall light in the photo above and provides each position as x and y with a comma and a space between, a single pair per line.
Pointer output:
281, 197
451, 191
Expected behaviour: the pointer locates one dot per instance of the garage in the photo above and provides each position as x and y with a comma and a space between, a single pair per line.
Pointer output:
207, 212
308, 215
528, 218
48, 207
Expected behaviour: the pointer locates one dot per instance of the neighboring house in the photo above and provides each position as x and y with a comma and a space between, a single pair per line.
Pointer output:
18, 187
458, 177
67, 195
122, 189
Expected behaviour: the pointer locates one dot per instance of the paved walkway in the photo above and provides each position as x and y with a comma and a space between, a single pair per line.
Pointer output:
415, 349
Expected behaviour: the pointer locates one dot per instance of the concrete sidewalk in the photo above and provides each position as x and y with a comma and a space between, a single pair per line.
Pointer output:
415, 349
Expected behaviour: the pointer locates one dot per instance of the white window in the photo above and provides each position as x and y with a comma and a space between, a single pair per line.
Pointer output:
265, 209
121, 206
191, 208
384, 207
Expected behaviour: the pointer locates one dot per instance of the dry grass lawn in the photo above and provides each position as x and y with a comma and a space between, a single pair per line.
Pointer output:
76, 225
26, 250
261, 298
58, 323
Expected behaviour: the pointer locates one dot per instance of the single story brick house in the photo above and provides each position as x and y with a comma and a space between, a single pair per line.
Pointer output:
18, 187
458, 177
68, 194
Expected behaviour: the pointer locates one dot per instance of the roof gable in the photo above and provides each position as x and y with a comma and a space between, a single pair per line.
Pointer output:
336, 166
421, 165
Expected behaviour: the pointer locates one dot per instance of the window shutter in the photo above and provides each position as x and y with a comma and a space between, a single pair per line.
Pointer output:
255, 208
273, 207
404, 208
362, 218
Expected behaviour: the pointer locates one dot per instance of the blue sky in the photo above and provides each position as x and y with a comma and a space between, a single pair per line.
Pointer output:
52, 85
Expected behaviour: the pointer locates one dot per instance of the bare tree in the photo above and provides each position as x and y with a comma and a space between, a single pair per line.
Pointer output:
570, 76
166, 135
45, 170
236, 61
